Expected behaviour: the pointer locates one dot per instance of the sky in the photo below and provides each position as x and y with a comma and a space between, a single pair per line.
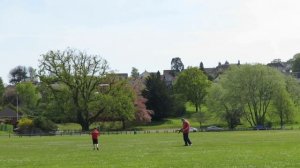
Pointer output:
147, 34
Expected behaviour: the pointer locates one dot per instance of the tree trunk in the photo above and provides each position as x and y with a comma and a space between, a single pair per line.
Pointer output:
197, 107
84, 123
281, 120
85, 126
200, 123
123, 124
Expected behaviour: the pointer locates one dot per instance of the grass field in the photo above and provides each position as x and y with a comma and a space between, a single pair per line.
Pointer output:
249, 149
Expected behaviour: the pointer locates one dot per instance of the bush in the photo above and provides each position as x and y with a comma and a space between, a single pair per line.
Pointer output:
25, 123
44, 124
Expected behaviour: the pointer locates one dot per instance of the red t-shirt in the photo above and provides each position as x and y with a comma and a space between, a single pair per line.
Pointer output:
185, 127
95, 134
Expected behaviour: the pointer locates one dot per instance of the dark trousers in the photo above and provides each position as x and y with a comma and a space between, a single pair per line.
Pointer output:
186, 139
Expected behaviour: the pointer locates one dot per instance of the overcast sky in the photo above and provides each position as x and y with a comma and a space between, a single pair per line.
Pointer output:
147, 34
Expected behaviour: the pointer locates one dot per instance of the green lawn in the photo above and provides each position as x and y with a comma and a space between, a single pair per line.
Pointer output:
210, 149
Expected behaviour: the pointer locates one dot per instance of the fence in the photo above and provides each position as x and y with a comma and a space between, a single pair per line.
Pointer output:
132, 132
78, 132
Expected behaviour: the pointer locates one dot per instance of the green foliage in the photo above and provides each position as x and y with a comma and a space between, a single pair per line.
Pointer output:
224, 105
284, 105
28, 96
134, 73
296, 63
25, 123
159, 97
251, 89
293, 89
177, 105
193, 84
56, 103
69, 126
6, 128
44, 124
201, 117
2, 90
41, 123
80, 75
120, 102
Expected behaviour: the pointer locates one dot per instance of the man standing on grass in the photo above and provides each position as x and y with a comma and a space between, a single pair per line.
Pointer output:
185, 131
95, 133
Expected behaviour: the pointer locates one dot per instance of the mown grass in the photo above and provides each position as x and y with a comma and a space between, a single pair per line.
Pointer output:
221, 149
170, 123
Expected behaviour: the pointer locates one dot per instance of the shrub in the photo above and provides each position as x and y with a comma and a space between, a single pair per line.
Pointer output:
25, 123
44, 124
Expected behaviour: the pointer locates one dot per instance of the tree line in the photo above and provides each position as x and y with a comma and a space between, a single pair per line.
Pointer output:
73, 86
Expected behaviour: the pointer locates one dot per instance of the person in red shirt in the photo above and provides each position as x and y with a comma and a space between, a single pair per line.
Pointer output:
95, 134
185, 131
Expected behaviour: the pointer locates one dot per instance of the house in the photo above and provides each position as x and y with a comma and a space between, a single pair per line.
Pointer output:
122, 75
169, 76
283, 67
146, 74
9, 115
214, 73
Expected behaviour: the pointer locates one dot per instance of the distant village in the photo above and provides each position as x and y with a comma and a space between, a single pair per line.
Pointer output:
213, 73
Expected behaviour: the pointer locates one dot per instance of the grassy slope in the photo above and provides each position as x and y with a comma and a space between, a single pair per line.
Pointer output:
173, 123
222, 149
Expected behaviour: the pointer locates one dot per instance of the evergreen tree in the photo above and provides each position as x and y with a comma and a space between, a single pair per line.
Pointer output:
135, 73
2, 89
202, 67
18, 74
177, 65
157, 93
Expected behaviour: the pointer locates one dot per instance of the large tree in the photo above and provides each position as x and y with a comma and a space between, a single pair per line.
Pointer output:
253, 88
177, 65
193, 84
158, 95
80, 75
18, 74
224, 105
22, 74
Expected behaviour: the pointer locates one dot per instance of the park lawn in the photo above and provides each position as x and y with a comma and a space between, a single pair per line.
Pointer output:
273, 149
